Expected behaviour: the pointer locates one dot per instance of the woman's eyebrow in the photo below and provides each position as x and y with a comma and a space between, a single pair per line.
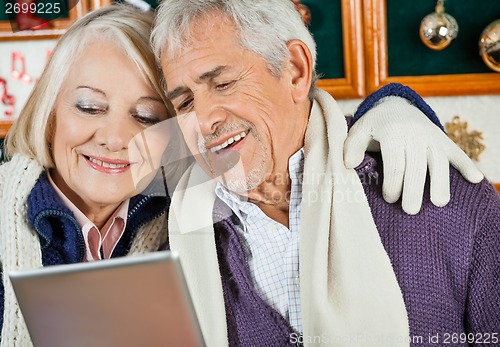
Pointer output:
93, 89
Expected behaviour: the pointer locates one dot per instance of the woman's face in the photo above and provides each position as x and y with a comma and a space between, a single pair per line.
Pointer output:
99, 144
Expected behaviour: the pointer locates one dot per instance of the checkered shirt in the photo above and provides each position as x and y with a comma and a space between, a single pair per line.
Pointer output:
272, 250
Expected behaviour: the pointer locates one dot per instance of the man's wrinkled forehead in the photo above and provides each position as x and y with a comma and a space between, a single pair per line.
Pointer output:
200, 30
205, 54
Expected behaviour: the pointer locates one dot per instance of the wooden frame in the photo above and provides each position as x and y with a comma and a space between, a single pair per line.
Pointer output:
4, 127
375, 34
352, 85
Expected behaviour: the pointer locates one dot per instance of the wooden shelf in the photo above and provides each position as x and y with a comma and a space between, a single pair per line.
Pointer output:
4, 128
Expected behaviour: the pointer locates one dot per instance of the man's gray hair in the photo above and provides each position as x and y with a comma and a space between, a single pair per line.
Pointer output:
265, 27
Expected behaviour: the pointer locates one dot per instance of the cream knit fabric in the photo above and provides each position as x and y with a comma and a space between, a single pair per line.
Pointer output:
20, 246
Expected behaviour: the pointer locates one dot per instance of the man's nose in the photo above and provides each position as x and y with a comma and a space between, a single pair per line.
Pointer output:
210, 113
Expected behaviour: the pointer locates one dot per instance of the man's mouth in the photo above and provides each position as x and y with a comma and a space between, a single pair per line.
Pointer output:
230, 141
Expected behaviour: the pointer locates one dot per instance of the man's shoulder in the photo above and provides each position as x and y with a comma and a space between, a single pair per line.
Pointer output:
457, 227
436, 236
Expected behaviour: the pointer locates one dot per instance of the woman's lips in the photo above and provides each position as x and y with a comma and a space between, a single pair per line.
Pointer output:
105, 165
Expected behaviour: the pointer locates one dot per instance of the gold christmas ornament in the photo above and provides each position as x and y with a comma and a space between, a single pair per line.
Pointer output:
489, 45
438, 29
304, 11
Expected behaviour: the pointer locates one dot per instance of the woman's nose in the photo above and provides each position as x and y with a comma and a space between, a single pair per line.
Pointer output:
115, 133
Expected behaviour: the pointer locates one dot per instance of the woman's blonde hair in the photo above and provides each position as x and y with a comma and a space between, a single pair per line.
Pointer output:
127, 27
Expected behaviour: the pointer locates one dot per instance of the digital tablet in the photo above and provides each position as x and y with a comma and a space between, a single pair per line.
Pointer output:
134, 301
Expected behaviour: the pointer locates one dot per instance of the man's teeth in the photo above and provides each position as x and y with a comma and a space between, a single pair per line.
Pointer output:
229, 141
107, 165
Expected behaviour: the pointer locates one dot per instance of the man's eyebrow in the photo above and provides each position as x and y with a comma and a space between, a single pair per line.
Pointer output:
177, 92
212, 73
203, 77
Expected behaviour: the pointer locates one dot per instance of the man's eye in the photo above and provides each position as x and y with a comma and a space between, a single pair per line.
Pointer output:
185, 105
91, 109
224, 86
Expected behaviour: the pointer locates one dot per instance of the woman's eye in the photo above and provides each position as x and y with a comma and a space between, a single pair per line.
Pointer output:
146, 120
91, 109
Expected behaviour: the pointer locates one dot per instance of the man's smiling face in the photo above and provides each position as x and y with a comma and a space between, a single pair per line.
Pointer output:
229, 103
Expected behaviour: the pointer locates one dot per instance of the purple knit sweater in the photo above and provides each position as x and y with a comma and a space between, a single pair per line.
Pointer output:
447, 262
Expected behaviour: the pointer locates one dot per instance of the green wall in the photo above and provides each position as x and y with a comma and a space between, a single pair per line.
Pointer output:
408, 56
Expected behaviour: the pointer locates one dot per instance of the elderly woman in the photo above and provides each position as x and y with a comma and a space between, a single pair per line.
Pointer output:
69, 192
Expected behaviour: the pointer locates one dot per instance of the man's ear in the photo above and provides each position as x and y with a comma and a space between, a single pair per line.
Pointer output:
300, 69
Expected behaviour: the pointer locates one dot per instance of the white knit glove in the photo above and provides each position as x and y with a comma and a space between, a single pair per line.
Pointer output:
409, 142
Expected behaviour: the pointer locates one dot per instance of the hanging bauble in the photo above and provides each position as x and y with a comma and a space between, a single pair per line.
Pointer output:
438, 29
304, 11
489, 45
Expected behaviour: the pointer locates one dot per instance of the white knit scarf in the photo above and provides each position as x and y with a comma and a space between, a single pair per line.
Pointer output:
20, 245
349, 292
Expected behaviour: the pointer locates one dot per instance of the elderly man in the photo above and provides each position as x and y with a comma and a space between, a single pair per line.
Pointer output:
288, 245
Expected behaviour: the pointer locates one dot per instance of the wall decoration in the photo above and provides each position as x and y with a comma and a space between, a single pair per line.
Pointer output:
438, 29
304, 11
21, 64
469, 141
18, 70
7, 99
489, 45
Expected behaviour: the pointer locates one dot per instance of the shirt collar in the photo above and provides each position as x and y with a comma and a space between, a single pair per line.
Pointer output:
83, 221
239, 204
